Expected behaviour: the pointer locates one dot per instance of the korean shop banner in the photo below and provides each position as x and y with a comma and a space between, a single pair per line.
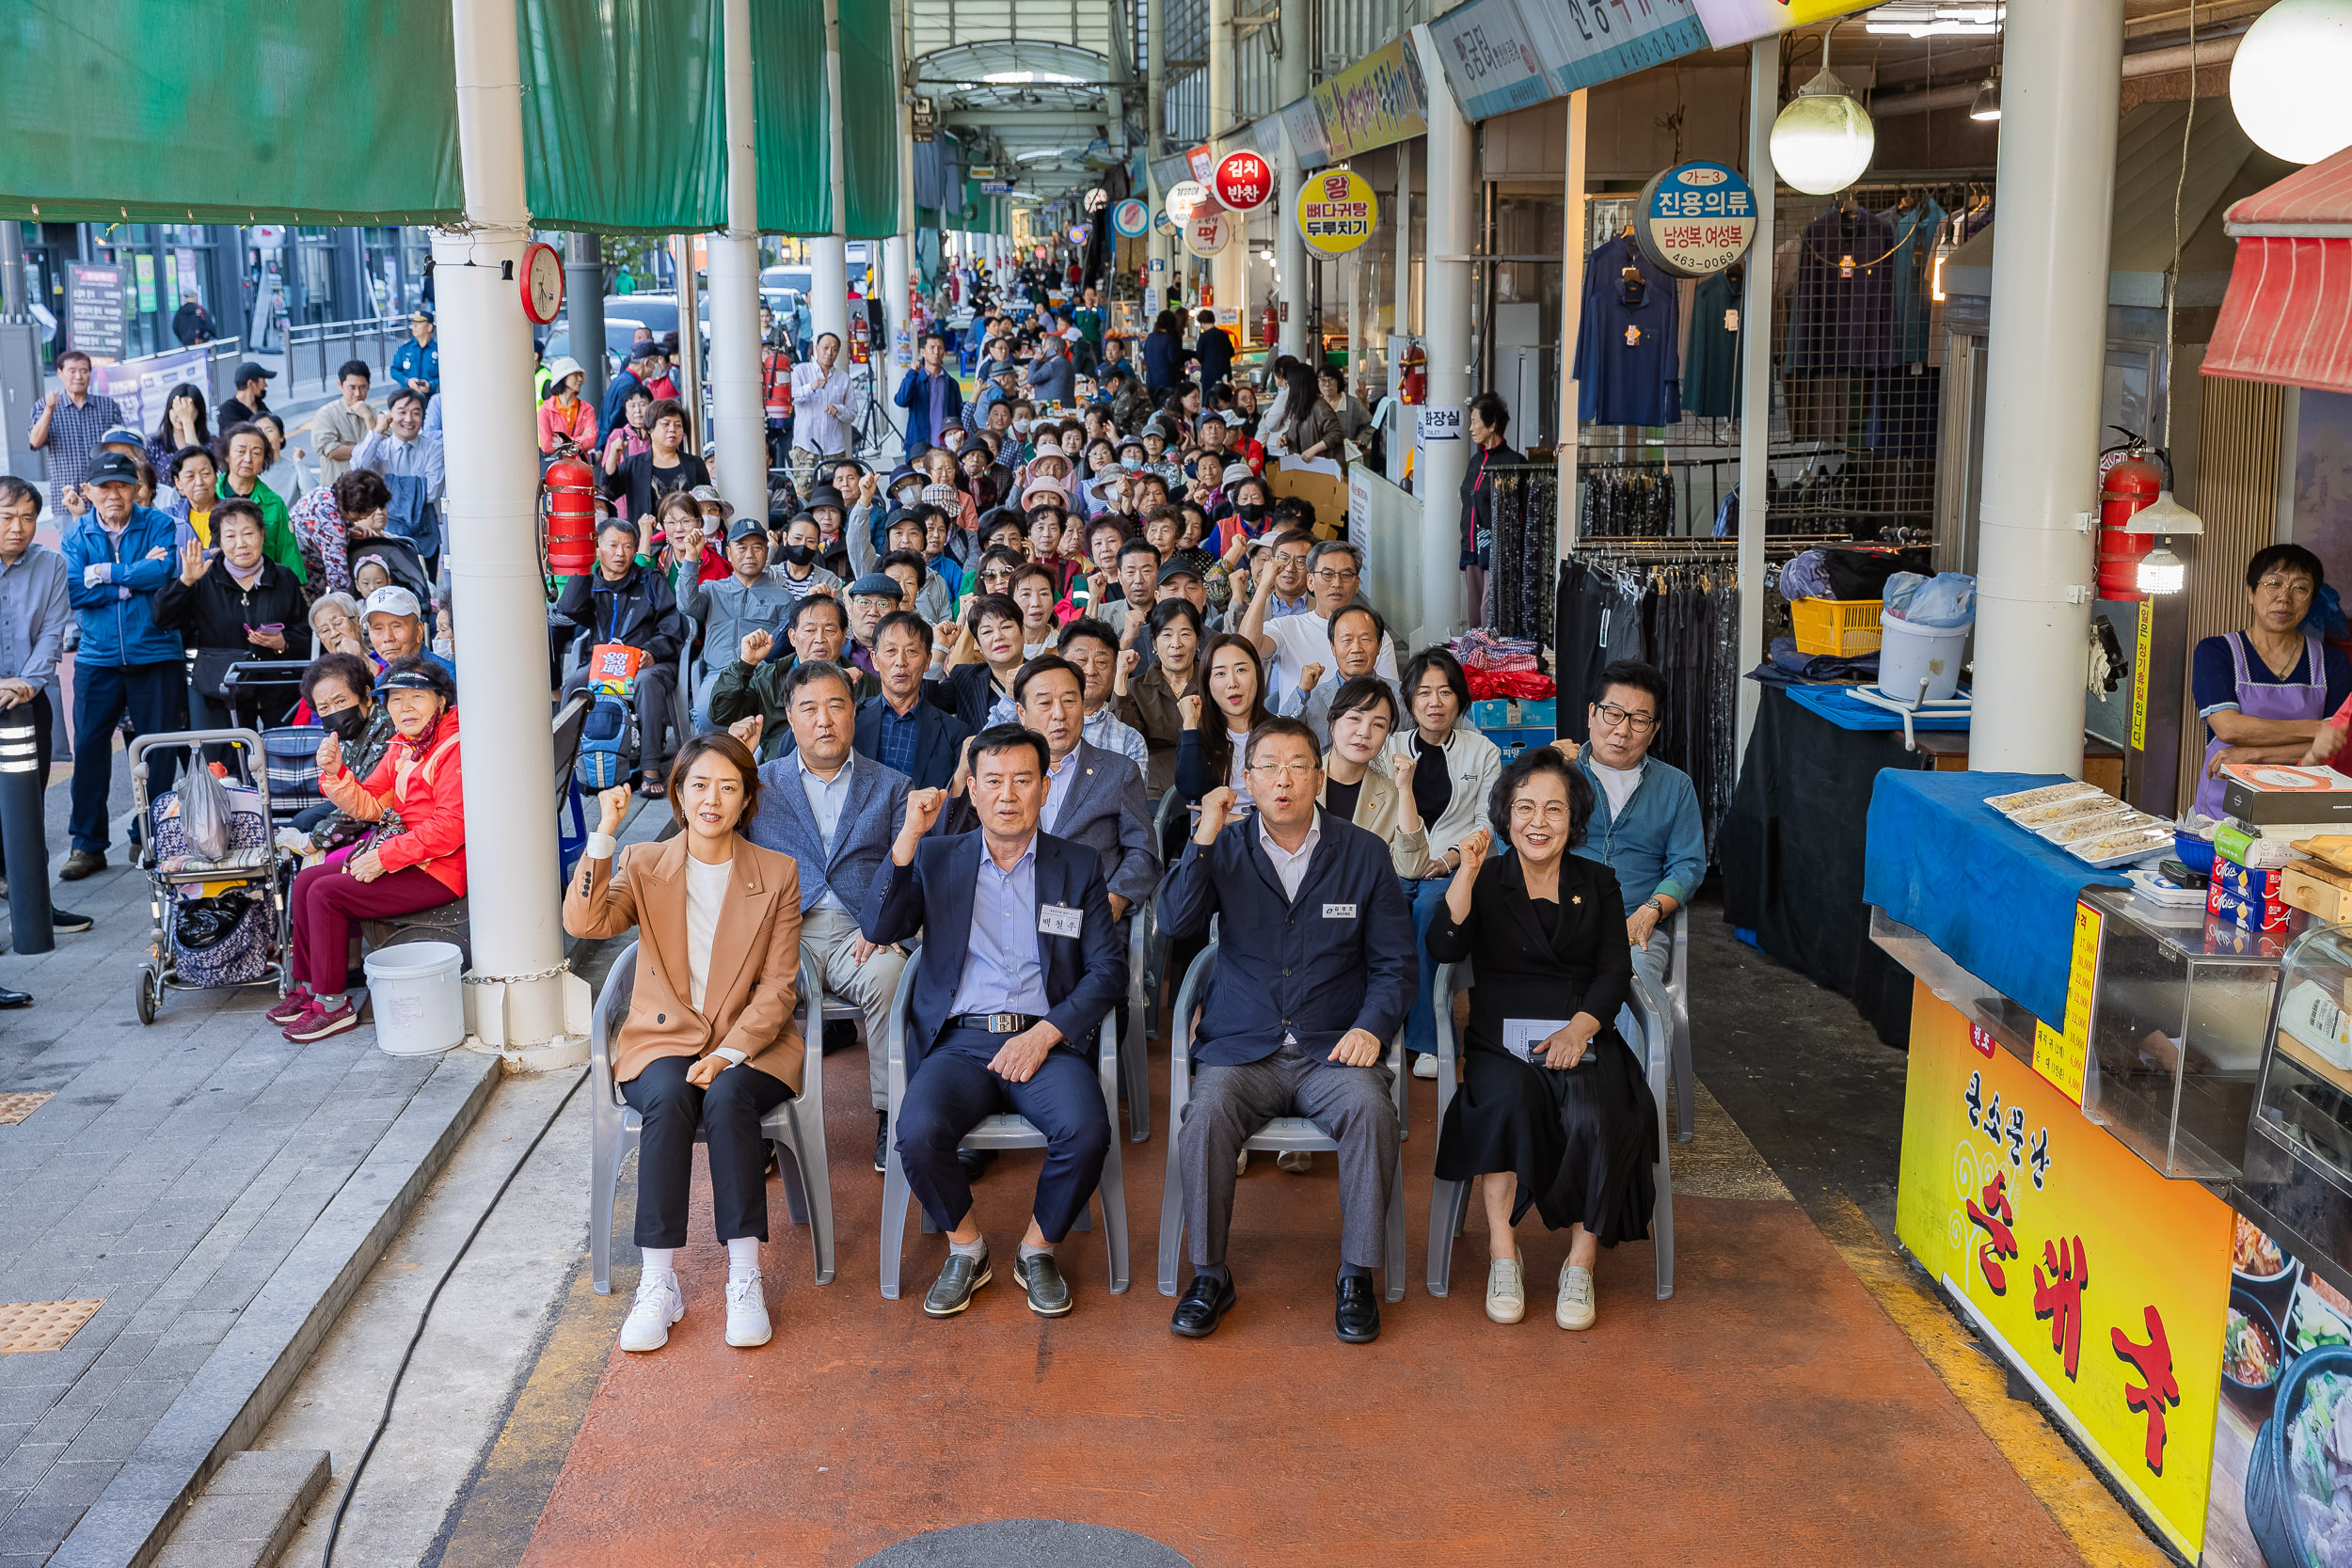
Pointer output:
1379, 99
2106, 1284
1504, 54
1730, 22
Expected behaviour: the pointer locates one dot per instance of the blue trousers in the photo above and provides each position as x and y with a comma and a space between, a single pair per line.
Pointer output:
156, 698
952, 1091
1420, 1022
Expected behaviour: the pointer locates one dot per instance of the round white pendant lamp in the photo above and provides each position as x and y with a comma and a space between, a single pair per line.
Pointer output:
1822, 140
2287, 80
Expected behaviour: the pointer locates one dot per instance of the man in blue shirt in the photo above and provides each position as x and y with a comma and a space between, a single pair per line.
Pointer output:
932, 397
67, 425
897, 728
1645, 823
417, 363
1021, 963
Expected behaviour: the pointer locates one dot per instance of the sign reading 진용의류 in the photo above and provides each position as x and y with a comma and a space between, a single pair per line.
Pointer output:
1335, 212
1695, 220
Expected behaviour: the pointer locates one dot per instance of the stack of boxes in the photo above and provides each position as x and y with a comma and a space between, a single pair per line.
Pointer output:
2258, 876
1514, 723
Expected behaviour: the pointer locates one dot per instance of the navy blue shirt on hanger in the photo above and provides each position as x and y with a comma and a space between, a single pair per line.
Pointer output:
1627, 361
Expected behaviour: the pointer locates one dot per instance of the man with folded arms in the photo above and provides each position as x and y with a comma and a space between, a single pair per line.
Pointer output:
1021, 961
1314, 969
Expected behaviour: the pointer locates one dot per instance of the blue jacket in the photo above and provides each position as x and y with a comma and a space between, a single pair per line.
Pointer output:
1659, 844
416, 361
1086, 976
615, 406
1164, 356
938, 743
870, 814
118, 617
1340, 958
915, 396
1105, 809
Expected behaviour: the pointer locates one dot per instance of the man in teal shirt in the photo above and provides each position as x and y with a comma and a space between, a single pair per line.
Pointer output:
1645, 822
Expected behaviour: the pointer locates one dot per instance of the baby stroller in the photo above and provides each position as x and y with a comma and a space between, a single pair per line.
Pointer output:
399, 558
216, 922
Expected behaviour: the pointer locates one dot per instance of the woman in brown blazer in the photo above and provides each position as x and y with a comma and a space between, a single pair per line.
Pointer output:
708, 1042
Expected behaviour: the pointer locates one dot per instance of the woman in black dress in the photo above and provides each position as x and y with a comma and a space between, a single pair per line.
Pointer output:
1554, 1111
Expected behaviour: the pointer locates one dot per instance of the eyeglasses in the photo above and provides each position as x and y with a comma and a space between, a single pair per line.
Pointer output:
1284, 772
1329, 574
1611, 715
2298, 586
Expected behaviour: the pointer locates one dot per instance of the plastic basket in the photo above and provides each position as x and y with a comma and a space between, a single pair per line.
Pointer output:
1842, 627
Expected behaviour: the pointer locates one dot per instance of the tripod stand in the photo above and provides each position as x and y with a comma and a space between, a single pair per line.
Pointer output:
876, 426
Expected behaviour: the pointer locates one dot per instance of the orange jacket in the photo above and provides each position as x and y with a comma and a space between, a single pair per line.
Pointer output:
426, 785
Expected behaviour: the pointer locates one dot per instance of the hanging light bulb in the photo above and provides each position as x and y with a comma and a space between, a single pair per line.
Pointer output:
2286, 80
1822, 140
1988, 103
2162, 572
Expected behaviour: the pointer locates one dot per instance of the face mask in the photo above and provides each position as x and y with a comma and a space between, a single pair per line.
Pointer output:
799, 555
445, 646
1020, 425
347, 725
1131, 463
1251, 511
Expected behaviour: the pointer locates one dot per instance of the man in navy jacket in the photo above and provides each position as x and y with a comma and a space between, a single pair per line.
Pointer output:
1314, 969
1021, 961
930, 394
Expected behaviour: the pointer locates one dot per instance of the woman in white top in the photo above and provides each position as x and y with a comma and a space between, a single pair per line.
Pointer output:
1448, 799
708, 1042
1215, 735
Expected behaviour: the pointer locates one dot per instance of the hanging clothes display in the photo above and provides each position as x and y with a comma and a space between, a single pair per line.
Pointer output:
1629, 500
1628, 364
1841, 312
1526, 519
1711, 368
1917, 222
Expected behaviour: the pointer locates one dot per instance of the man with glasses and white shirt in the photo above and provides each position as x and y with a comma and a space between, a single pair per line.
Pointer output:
1645, 813
1335, 569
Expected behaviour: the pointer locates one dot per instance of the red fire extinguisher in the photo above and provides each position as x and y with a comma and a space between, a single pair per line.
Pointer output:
1415, 387
568, 512
2131, 480
857, 336
779, 399
1269, 325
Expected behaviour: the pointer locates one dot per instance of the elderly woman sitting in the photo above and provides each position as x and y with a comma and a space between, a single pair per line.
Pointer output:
420, 866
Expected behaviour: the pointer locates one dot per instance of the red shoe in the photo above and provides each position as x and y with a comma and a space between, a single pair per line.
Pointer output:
319, 1022
296, 1003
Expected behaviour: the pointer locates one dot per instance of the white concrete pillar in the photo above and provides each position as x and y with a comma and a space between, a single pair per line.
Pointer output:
1289, 246
1402, 418
1156, 245
1445, 315
1571, 314
1229, 270
1755, 375
2060, 80
829, 272
739, 406
521, 1000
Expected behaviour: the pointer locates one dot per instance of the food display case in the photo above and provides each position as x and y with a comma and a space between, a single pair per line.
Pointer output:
2295, 1180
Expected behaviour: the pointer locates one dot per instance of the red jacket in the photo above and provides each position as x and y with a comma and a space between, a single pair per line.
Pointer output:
426, 785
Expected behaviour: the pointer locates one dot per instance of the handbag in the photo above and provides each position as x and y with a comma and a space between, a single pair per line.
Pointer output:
211, 667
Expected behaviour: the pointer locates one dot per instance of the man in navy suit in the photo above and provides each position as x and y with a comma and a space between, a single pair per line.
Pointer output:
1314, 969
899, 729
1020, 962
834, 812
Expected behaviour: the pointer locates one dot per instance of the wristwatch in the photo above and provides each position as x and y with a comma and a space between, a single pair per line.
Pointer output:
1655, 908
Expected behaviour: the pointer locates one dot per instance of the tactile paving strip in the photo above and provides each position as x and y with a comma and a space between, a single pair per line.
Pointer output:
31, 1325
16, 1107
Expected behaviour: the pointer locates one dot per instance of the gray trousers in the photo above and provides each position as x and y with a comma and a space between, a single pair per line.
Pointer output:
1229, 1104
827, 936
1656, 960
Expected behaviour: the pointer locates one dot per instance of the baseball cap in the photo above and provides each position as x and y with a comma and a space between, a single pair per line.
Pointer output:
111, 468
875, 585
749, 528
650, 349
708, 495
1190, 563
421, 313
250, 369
123, 436
392, 599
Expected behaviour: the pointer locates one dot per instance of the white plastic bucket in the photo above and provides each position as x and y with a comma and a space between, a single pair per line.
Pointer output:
1909, 655
414, 987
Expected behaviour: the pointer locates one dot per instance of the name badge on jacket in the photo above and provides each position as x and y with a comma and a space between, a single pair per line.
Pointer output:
1057, 919
1339, 911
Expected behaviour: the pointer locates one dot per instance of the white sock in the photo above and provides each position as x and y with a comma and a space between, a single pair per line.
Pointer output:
976, 1247
658, 1262
1027, 1251
744, 1258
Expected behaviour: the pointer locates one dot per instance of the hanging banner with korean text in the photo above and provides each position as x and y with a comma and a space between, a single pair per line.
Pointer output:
1695, 220
1730, 22
1336, 210
1502, 55
93, 310
2105, 1285
1379, 99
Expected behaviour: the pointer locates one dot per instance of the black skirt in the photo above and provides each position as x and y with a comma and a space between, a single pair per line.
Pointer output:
1582, 1141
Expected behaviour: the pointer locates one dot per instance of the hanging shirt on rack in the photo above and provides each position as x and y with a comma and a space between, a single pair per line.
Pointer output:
1916, 234
1627, 367
1711, 371
1841, 313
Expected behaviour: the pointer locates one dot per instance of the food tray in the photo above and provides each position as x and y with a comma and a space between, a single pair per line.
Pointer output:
2121, 849
2081, 829
2023, 799
2049, 816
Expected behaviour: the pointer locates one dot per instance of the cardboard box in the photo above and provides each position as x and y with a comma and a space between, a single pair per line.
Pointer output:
1514, 742
2255, 884
2264, 793
2254, 914
2265, 845
1513, 713
2300, 888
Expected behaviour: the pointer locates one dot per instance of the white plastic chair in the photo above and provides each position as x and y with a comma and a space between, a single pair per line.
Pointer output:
998, 1132
1645, 1020
1282, 1135
1679, 1012
795, 1130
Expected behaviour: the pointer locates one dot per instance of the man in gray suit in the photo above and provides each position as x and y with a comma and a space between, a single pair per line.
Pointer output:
836, 813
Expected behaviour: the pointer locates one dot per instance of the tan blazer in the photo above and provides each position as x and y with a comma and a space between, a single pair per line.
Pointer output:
755, 969
1377, 812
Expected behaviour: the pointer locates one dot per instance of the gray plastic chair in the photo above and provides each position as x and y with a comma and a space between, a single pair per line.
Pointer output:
1678, 1007
998, 1132
1646, 1020
1134, 1054
1282, 1135
795, 1130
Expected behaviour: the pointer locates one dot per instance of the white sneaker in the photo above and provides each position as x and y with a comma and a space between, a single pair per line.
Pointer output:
1426, 1065
1576, 1297
1507, 1290
1297, 1160
659, 1304
1240, 1163
747, 1314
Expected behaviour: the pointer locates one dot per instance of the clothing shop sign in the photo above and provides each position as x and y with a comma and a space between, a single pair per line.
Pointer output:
1337, 211
1502, 55
1695, 220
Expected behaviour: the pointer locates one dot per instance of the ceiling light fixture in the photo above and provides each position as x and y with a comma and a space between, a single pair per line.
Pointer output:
1824, 140
2286, 82
1988, 103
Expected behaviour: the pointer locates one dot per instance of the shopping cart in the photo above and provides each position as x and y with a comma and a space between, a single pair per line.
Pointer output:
236, 901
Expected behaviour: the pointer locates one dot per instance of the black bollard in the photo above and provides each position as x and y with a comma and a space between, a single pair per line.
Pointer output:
24, 837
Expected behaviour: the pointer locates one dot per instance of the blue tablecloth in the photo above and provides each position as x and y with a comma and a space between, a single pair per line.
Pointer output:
1999, 900
1841, 707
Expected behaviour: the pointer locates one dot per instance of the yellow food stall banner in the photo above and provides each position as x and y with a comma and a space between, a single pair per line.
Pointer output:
2140, 649
2064, 1058
2104, 1283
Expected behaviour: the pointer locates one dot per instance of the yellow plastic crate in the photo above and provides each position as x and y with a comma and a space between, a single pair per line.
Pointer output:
1838, 627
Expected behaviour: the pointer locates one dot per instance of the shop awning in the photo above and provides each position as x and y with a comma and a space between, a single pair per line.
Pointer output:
2287, 316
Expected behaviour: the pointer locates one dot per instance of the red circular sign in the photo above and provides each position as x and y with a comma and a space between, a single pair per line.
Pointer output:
1243, 181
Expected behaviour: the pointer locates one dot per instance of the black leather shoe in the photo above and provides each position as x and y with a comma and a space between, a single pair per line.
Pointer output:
974, 1161
1202, 1307
882, 1141
841, 1032
15, 999
65, 919
1357, 1316
1049, 1293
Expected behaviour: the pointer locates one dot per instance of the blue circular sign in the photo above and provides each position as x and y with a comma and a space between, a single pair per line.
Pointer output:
1695, 220
1130, 218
